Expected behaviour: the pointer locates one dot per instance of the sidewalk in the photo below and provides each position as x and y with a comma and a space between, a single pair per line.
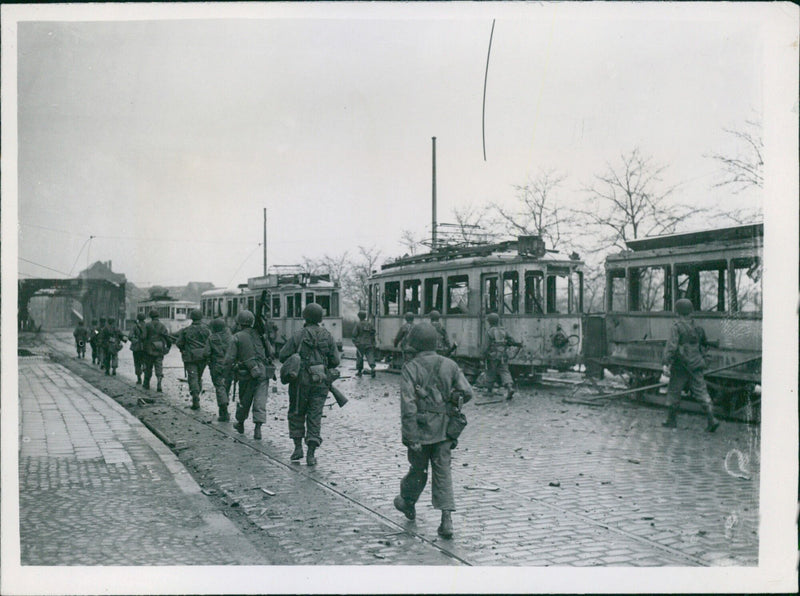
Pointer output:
97, 488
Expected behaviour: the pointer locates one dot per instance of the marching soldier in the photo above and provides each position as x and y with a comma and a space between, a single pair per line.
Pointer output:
219, 342
81, 335
364, 339
307, 394
156, 344
100, 349
94, 334
111, 340
251, 355
432, 389
137, 346
193, 343
401, 339
495, 344
684, 361
443, 344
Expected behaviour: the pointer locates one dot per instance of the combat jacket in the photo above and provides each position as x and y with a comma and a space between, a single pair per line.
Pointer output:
248, 354
315, 345
137, 336
111, 339
219, 342
495, 341
686, 346
81, 334
193, 342
364, 334
156, 338
401, 338
443, 342
424, 418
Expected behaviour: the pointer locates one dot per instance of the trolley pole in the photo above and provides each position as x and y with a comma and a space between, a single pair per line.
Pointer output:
433, 205
265, 241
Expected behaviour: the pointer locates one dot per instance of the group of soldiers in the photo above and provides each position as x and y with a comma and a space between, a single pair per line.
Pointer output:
105, 340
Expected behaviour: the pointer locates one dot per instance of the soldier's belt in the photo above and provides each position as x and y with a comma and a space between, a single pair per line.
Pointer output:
438, 408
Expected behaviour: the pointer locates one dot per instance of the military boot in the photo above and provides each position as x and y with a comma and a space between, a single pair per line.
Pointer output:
359, 373
158, 386
510, 392
311, 460
406, 507
146, 384
297, 454
195, 402
445, 529
257, 432
713, 423
138, 379
114, 372
223, 414
372, 372
239, 426
672, 419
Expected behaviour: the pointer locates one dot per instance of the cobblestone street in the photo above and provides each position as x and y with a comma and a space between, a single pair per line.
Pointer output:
538, 482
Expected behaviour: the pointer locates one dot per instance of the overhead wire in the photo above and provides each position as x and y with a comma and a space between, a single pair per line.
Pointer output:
43, 266
242, 264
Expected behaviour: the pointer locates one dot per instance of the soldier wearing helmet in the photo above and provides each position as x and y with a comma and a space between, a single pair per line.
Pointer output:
157, 342
495, 352
318, 355
100, 348
136, 337
81, 335
218, 342
111, 338
94, 334
401, 339
432, 388
364, 340
193, 343
251, 354
443, 344
683, 362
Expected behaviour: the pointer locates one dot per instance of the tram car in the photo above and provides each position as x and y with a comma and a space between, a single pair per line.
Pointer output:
537, 293
284, 296
173, 313
719, 270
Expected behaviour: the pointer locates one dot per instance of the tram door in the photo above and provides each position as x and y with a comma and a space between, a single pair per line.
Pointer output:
490, 299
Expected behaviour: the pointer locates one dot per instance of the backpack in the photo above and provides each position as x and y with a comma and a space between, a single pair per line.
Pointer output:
690, 354
313, 362
431, 392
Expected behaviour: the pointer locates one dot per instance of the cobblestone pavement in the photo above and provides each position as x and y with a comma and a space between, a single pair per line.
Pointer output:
96, 488
538, 482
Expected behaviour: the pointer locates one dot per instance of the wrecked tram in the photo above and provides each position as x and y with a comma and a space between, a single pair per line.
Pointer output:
537, 293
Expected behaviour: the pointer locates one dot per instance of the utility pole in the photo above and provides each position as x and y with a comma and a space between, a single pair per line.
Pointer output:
433, 205
265, 241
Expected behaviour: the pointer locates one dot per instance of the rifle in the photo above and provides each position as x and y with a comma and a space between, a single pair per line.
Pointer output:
333, 374
260, 327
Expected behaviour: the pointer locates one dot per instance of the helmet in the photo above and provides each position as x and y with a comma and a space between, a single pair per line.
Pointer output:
196, 314
493, 318
410, 317
684, 307
245, 318
312, 313
217, 324
140, 316
362, 315
154, 314
423, 337
434, 314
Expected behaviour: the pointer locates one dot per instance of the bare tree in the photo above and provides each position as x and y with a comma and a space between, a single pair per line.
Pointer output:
630, 201
355, 286
745, 168
471, 223
410, 241
537, 211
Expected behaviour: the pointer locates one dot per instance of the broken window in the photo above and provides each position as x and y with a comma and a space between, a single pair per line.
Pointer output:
276, 307
703, 284
510, 292
391, 298
558, 291
649, 289
616, 290
491, 294
411, 300
747, 285
533, 292
433, 294
457, 294
325, 303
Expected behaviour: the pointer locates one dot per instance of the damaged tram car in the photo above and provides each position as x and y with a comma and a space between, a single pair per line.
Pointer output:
537, 293
719, 270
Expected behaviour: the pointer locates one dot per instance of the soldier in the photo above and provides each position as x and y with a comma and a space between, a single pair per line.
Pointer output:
317, 351
684, 361
156, 344
137, 346
364, 339
100, 350
430, 387
111, 340
94, 332
219, 341
401, 339
193, 343
495, 343
443, 344
251, 355
81, 335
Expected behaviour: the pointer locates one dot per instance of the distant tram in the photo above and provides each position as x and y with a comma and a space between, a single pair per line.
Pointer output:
537, 293
720, 272
285, 295
173, 313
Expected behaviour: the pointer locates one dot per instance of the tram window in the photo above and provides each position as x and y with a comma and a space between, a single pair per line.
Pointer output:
276, 307
298, 304
290, 306
434, 294
234, 307
334, 310
510, 292
370, 305
309, 297
325, 303
703, 284
458, 294
411, 296
251, 304
615, 288
163, 312
375, 294
533, 292
649, 284
391, 298
491, 300
558, 298
747, 283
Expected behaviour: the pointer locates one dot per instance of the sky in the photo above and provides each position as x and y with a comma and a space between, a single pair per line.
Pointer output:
164, 139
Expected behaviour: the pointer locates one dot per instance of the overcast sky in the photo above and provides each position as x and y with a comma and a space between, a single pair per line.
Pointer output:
154, 135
